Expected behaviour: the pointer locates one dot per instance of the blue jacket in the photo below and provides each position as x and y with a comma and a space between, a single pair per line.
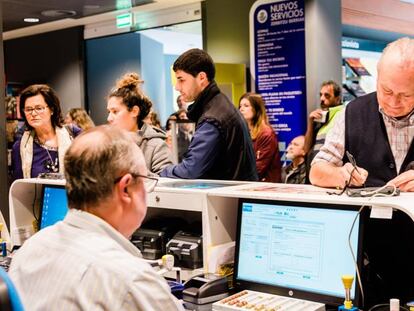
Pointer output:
221, 147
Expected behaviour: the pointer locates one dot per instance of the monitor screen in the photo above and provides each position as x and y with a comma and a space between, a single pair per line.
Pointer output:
54, 205
296, 249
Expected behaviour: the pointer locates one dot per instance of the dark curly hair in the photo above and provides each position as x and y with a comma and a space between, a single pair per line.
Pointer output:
51, 99
128, 88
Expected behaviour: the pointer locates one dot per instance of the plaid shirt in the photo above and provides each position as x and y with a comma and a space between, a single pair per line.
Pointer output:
400, 133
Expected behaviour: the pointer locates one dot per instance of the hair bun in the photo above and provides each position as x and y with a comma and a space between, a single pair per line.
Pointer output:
129, 80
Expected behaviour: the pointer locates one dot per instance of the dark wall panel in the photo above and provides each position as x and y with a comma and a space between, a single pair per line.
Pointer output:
108, 58
55, 58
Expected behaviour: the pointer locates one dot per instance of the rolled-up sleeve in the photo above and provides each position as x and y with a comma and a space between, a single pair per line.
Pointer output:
333, 149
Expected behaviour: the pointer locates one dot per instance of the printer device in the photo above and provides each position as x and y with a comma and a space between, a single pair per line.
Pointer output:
151, 239
150, 242
205, 288
187, 248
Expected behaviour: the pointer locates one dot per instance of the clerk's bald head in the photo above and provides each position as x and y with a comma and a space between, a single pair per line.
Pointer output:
96, 159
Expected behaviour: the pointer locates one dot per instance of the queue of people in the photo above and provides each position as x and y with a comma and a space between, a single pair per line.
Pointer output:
237, 144
213, 150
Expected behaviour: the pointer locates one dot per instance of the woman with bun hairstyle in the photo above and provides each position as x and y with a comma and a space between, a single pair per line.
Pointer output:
127, 108
265, 143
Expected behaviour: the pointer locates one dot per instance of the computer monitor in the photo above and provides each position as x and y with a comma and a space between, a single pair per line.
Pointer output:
54, 205
297, 249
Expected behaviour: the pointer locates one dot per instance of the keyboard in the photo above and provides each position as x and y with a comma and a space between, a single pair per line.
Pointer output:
251, 300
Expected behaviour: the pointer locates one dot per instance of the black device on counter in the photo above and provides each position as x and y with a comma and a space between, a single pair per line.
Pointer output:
150, 242
187, 249
205, 288
373, 191
152, 237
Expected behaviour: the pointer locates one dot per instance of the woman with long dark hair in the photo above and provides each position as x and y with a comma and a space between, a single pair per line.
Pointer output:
265, 143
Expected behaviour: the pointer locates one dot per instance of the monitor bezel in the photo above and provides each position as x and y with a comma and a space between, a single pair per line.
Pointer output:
330, 300
42, 198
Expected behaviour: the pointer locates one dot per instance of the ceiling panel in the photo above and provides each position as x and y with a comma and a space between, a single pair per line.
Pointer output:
14, 11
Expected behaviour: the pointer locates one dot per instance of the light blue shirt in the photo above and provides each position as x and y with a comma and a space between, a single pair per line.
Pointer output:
83, 263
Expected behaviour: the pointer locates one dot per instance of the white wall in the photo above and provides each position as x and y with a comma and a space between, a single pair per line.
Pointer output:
323, 32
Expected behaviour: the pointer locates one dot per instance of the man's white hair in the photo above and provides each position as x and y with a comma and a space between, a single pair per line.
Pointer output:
398, 53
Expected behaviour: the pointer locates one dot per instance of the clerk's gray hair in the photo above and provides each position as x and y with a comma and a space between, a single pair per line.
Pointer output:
401, 50
95, 160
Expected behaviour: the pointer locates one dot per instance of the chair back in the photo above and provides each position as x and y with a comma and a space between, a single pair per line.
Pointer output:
9, 298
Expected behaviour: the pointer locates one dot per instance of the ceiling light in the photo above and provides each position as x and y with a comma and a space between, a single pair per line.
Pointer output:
91, 6
408, 1
58, 13
31, 20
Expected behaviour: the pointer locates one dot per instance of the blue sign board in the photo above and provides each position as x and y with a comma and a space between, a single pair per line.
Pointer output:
278, 64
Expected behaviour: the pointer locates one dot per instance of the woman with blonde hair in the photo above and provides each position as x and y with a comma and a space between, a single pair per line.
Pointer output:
127, 108
80, 118
265, 142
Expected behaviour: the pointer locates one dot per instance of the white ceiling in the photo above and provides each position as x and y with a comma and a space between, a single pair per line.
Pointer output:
14, 11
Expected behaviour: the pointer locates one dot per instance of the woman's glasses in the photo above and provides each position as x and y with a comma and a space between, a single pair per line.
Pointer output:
37, 109
149, 182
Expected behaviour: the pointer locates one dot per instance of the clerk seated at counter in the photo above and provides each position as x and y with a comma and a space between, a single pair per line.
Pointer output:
376, 129
86, 261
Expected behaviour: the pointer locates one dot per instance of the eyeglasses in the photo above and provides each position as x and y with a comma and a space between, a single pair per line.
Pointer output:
149, 182
37, 109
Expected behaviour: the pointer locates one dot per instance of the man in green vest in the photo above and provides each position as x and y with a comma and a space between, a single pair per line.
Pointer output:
320, 120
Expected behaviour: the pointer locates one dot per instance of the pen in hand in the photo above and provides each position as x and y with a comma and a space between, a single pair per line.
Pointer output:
351, 160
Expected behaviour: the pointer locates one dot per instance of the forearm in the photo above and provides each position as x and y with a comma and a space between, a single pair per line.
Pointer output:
308, 137
325, 174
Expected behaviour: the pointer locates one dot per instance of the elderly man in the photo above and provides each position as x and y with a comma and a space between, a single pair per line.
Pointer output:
295, 172
86, 261
221, 147
376, 129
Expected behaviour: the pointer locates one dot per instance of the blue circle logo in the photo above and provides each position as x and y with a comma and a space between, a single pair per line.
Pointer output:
262, 16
